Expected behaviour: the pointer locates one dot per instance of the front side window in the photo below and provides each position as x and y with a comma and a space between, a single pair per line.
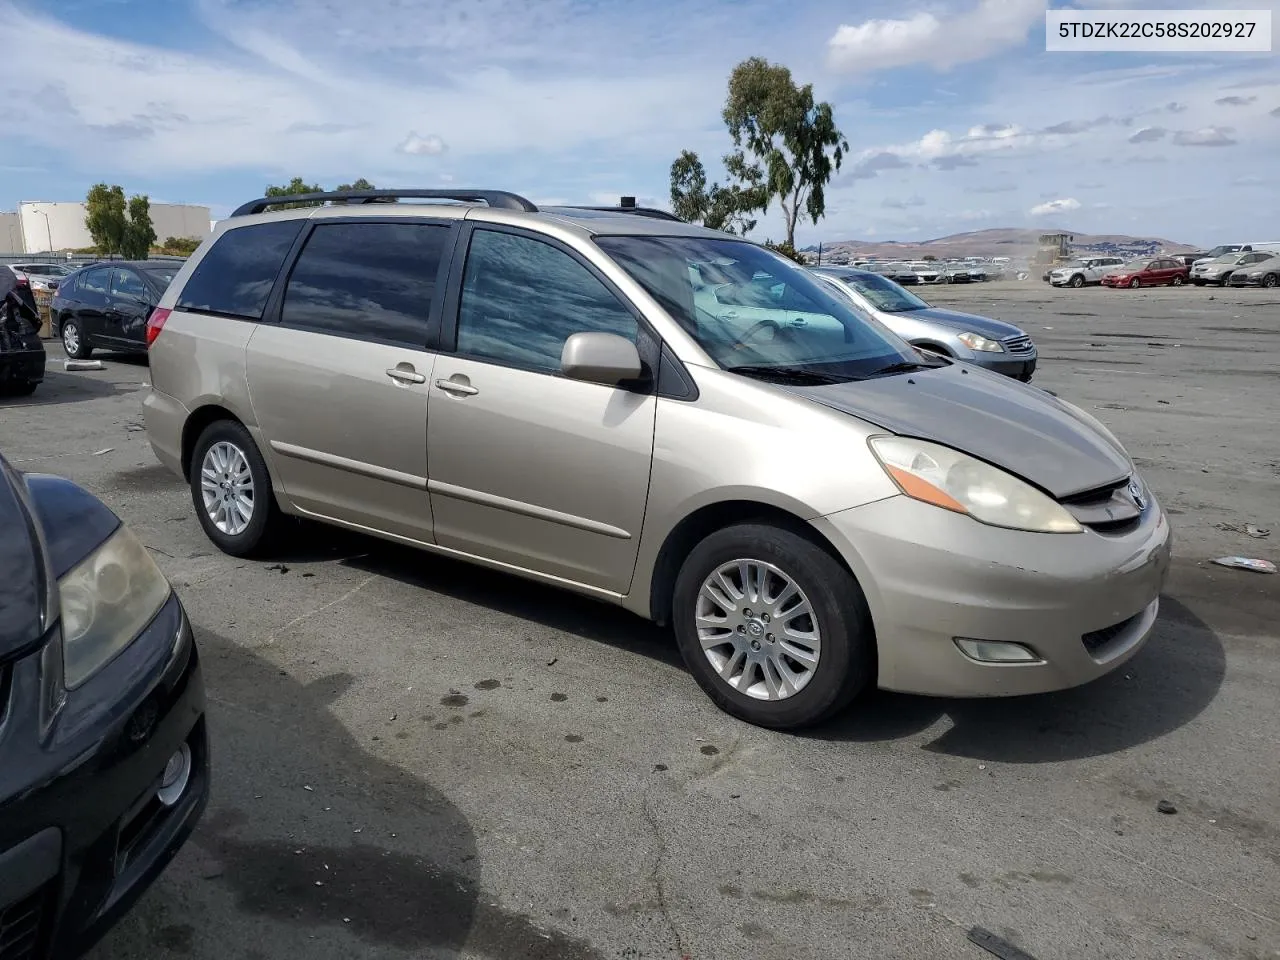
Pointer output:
522, 298
126, 283
235, 277
780, 322
368, 281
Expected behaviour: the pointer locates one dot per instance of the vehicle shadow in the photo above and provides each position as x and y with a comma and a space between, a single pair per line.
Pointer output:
328, 840
59, 388
1168, 684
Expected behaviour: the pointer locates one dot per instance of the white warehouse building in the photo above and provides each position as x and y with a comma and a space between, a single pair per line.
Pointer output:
39, 227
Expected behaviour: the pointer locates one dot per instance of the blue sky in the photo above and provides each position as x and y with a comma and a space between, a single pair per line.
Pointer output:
957, 116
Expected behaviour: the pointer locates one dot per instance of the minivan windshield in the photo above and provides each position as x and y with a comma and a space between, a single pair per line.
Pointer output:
759, 314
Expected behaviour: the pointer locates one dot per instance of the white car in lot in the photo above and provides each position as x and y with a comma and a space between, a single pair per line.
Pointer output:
1086, 271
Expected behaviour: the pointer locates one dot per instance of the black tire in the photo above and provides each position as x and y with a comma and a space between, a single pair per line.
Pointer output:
1178, 281
1222, 281
846, 662
1077, 281
19, 388
82, 349
265, 520
1198, 283
1271, 280
1135, 283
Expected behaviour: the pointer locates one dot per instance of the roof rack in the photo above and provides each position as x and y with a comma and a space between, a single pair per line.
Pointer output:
499, 199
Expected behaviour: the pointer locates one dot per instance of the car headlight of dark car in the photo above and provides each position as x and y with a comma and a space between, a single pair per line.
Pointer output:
107, 599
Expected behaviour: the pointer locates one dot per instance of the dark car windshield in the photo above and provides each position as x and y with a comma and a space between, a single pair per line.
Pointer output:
756, 312
161, 277
884, 294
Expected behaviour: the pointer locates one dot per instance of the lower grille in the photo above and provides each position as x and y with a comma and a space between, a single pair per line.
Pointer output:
1097, 641
22, 927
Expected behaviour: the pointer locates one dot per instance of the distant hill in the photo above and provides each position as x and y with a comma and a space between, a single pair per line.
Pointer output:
1000, 242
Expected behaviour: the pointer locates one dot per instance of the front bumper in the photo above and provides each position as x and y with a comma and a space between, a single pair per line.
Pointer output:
82, 832
1019, 366
1085, 603
22, 366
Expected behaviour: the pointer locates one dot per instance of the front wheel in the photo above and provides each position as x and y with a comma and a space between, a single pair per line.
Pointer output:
772, 627
231, 490
1077, 281
1271, 280
73, 341
1135, 283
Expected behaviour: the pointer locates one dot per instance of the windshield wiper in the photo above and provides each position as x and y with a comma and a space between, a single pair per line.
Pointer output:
784, 374
903, 366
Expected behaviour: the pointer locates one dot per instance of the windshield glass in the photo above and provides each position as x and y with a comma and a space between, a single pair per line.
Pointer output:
1218, 251
756, 312
884, 294
161, 276
1229, 258
1134, 266
1073, 265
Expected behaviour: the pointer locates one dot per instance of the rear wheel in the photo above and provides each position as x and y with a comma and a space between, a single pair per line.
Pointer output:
73, 341
1135, 283
1077, 281
231, 490
1178, 281
772, 627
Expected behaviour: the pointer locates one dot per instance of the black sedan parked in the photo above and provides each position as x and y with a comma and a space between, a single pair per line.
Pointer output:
104, 762
107, 305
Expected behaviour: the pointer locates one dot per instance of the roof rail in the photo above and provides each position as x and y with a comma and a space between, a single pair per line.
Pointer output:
652, 212
499, 199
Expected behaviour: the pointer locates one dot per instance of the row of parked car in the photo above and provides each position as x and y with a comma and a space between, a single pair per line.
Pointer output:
1237, 265
913, 272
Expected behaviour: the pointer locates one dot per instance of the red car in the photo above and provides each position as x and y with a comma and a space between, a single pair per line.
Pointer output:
1149, 273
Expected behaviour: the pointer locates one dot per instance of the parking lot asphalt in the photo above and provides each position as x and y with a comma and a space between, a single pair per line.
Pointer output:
416, 758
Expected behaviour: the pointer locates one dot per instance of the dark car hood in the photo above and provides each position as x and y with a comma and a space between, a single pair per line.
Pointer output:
996, 329
1022, 429
22, 582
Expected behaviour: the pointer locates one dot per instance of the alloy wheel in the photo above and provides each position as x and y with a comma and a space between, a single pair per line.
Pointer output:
758, 630
226, 486
70, 338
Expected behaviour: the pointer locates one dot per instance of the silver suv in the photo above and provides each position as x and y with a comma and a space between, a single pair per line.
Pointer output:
659, 416
1084, 272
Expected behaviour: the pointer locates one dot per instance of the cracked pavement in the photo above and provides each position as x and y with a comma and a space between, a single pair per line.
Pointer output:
415, 758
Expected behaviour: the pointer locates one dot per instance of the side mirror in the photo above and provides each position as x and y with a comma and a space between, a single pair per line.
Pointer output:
604, 358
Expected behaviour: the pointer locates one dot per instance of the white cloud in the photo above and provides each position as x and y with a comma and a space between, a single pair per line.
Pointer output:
1148, 135
1049, 207
1205, 137
967, 35
428, 146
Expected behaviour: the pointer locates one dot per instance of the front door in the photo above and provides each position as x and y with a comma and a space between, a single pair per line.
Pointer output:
339, 380
91, 311
128, 305
527, 467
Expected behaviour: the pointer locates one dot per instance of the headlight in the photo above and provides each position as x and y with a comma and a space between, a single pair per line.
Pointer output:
107, 599
946, 478
976, 341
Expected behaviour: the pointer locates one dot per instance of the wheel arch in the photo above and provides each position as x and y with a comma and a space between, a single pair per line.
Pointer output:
707, 519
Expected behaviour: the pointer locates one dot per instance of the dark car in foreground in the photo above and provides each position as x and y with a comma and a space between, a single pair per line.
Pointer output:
22, 356
1148, 272
104, 762
107, 306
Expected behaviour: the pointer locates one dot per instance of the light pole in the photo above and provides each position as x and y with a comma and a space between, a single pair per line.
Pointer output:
48, 229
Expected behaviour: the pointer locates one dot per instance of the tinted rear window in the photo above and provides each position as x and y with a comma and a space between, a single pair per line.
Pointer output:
367, 281
235, 277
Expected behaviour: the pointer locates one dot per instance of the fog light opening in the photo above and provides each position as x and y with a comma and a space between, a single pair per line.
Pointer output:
996, 651
177, 774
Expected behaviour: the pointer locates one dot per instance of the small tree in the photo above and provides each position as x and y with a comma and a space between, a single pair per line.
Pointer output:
105, 217
361, 184
787, 250
784, 140
726, 208
179, 246
139, 233
294, 187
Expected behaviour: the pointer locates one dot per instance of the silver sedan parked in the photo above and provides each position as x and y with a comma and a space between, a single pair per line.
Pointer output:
994, 344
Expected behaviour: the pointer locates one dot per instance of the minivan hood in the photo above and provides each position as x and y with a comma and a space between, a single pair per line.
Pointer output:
1020, 428
995, 329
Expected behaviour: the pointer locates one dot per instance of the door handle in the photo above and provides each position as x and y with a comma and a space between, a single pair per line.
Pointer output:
405, 376
453, 386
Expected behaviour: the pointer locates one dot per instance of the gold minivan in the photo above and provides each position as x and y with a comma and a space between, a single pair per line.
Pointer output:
661, 416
